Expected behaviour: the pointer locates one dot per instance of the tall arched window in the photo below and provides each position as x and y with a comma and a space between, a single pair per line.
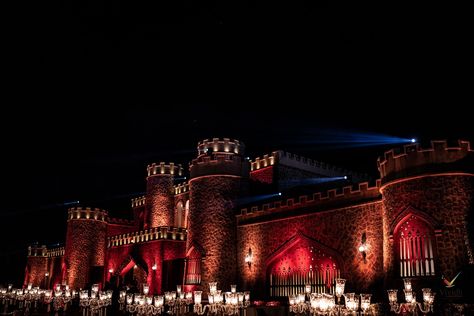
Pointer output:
186, 214
193, 266
178, 219
415, 247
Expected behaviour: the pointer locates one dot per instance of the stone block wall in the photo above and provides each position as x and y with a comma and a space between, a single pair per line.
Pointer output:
85, 248
212, 226
449, 201
159, 201
339, 229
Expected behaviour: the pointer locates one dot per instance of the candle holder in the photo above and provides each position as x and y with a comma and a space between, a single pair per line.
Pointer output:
411, 305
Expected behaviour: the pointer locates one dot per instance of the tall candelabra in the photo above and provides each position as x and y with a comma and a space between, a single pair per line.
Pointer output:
61, 298
96, 303
329, 304
144, 305
31, 295
228, 303
411, 306
178, 302
24, 298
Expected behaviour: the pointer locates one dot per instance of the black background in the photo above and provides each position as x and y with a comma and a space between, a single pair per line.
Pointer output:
96, 90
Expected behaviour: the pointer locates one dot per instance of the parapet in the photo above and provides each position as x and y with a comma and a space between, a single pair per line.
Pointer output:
37, 251
224, 145
43, 251
55, 252
181, 188
156, 233
87, 213
322, 200
139, 201
412, 160
267, 160
164, 169
303, 163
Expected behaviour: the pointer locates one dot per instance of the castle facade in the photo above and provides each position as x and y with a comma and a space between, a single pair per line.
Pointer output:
229, 224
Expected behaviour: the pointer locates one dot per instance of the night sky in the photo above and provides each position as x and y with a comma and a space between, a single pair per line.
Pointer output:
143, 81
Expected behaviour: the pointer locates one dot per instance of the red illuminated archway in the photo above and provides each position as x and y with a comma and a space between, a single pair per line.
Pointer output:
413, 234
302, 260
194, 257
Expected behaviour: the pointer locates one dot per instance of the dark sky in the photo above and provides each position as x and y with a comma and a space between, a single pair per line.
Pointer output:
135, 82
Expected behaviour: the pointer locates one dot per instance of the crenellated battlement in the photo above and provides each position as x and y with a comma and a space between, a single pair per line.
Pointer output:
164, 169
411, 159
303, 163
87, 213
348, 193
267, 160
181, 188
219, 157
43, 251
156, 233
120, 221
37, 251
139, 201
223, 145
55, 252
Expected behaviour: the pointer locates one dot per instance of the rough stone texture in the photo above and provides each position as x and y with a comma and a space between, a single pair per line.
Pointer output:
340, 230
55, 266
212, 227
449, 201
37, 267
160, 200
85, 248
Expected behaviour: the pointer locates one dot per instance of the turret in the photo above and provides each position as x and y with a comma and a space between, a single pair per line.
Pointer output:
85, 246
427, 197
159, 194
37, 266
218, 175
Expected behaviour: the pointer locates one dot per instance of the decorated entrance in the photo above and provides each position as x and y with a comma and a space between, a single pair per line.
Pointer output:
300, 261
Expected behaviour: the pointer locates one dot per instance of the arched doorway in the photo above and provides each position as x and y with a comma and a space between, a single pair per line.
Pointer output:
299, 261
132, 275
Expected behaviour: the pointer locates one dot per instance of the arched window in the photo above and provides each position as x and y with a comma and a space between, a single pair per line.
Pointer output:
178, 219
193, 266
415, 247
186, 214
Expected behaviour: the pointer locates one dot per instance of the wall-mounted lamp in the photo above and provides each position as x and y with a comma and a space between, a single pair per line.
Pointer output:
46, 274
249, 258
363, 247
111, 270
153, 267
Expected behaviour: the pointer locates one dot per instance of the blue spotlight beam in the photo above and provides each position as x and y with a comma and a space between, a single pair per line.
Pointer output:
253, 199
346, 139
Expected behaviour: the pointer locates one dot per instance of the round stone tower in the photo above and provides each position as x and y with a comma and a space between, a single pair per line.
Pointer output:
218, 175
428, 197
160, 194
86, 240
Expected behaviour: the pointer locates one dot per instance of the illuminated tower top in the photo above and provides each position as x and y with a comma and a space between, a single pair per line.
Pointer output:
219, 156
